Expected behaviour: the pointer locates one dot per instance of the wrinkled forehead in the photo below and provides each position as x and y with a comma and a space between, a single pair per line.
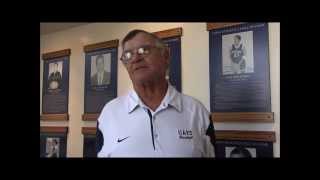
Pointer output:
140, 39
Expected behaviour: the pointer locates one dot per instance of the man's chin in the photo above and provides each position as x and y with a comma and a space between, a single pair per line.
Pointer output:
142, 78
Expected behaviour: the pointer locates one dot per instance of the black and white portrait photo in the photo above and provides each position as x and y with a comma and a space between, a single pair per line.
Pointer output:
240, 152
237, 53
52, 147
100, 69
55, 75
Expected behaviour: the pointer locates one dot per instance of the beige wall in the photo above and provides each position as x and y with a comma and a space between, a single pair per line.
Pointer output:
195, 71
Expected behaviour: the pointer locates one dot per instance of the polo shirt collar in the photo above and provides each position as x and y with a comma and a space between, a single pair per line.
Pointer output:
172, 98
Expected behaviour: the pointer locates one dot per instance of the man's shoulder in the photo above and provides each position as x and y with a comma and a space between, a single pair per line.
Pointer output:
118, 102
189, 101
116, 105
195, 108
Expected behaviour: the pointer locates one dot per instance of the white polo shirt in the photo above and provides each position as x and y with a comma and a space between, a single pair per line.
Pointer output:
177, 128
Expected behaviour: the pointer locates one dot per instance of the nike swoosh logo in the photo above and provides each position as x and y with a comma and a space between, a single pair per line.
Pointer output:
119, 140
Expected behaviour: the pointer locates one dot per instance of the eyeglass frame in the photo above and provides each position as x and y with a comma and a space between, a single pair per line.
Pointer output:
137, 52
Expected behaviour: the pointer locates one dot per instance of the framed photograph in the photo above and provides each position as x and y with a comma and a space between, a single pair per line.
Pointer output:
100, 70
55, 89
240, 152
52, 147
244, 144
239, 67
172, 38
237, 53
55, 76
100, 76
53, 142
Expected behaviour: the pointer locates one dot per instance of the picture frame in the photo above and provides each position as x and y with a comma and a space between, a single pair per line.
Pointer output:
101, 71
172, 38
55, 89
244, 144
239, 72
53, 142
89, 142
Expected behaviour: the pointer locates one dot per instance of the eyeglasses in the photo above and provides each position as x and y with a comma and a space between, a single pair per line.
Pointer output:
141, 51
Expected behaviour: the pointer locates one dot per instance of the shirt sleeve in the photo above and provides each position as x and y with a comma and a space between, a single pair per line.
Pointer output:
208, 135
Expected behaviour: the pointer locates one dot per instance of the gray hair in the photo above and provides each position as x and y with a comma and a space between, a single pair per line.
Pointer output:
158, 42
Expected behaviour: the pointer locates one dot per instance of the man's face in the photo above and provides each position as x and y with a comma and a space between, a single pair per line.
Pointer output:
151, 67
100, 65
236, 40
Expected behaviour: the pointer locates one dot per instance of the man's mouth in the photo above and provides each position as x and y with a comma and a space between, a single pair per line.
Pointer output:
139, 67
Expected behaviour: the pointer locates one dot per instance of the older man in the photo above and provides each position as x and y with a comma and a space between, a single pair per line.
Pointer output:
153, 120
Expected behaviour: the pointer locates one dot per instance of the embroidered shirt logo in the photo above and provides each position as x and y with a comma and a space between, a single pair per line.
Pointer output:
119, 140
185, 134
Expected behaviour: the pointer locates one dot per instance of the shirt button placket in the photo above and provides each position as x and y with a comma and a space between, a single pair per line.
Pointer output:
155, 128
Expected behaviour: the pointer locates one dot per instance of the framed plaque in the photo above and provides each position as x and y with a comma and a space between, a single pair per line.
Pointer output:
53, 142
239, 69
100, 77
89, 142
172, 38
244, 144
55, 89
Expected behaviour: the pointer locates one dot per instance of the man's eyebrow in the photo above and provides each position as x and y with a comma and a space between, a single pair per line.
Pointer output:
127, 50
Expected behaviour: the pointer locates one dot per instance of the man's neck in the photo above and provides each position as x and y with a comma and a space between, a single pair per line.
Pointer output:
152, 93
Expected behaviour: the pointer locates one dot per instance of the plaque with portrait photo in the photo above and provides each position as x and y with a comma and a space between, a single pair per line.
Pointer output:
53, 142
100, 76
55, 89
172, 38
244, 144
89, 142
239, 68
243, 149
173, 74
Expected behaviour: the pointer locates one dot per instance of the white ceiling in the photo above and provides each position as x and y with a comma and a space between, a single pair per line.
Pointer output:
47, 28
